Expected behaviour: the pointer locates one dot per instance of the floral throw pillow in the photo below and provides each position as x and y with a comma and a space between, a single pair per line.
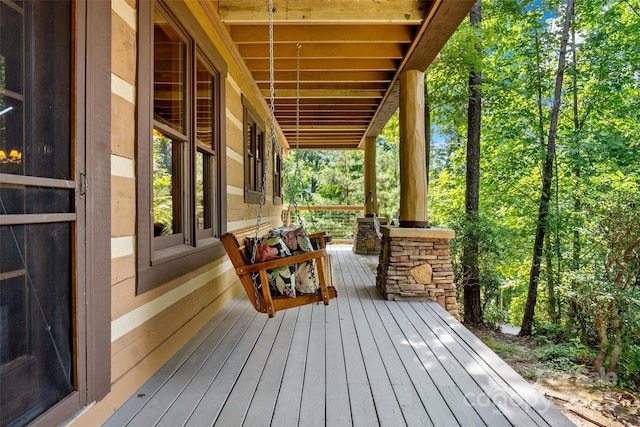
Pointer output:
282, 280
306, 273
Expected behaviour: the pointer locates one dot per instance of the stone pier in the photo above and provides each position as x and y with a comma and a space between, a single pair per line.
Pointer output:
365, 238
415, 265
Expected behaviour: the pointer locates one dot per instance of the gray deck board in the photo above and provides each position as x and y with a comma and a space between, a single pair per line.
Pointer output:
287, 409
264, 399
237, 405
338, 411
312, 402
361, 361
218, 390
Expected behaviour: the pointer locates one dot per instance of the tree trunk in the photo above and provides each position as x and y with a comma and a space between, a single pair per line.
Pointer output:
551, 285
577, 201
616, 333
470, 270
547, 175
603, 340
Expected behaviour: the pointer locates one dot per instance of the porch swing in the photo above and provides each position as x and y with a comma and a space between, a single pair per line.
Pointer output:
270, 268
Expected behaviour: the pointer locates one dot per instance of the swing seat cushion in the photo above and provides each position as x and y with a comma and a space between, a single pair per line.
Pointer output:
298, 242
282, 279
281, 243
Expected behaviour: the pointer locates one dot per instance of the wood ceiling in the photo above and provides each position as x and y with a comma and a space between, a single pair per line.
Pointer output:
350, 56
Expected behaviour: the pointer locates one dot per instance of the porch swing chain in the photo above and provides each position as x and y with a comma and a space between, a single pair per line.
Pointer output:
273, 140
376, 221
292, 196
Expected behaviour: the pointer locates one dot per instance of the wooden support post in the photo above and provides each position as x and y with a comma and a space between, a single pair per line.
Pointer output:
413, 170
370, 176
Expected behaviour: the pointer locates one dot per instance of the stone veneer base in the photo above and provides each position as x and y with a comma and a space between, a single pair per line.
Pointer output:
415, 265
365, 238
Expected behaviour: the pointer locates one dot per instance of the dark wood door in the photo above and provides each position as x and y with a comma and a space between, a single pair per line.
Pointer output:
37, 208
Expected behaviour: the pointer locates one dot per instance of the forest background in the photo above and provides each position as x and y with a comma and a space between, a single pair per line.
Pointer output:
587, 296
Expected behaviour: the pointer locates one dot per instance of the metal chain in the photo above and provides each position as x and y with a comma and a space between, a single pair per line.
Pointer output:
376, 221
292, 196
273, 140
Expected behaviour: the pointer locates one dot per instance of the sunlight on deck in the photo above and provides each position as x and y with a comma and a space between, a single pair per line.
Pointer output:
360, 360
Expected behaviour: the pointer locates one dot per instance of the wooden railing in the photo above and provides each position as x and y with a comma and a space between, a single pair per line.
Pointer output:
336, 220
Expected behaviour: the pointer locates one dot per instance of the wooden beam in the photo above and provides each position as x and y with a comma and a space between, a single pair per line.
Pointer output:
328, 144
333, 33
307, 86
327, 75
329, 12
325, 114
332, 135
304, 121
326, 93
323, 64
347, 103
323, 128
324, 50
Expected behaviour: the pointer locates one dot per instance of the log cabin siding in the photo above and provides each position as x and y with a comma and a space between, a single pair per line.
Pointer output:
147, 329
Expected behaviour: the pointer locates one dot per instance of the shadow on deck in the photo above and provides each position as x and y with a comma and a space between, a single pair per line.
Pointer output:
359, 361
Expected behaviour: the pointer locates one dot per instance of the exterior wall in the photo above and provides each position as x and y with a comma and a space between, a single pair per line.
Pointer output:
147, 329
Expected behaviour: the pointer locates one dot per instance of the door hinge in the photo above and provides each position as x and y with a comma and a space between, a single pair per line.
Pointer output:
84, 184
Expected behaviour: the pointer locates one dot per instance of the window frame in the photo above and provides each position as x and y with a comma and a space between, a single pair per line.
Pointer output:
277, 175
163, 258
254, 162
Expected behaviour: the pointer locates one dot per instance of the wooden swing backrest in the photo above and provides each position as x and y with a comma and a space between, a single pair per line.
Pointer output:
240, 258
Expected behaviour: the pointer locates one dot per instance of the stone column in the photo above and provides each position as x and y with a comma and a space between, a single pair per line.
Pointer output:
413, 167
415, 263
365, 237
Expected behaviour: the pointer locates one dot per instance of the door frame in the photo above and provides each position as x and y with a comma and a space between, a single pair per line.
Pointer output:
91, 145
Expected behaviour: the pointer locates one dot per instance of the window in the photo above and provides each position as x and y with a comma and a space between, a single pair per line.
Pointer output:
254, 154
277, 175
180, 169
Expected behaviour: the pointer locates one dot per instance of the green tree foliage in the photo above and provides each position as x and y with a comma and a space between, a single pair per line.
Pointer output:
324, 177
608, 285
521, 40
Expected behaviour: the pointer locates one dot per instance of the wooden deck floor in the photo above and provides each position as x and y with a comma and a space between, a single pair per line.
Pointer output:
361, 361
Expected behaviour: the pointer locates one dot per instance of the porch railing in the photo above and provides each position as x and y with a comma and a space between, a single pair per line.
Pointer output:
339, 221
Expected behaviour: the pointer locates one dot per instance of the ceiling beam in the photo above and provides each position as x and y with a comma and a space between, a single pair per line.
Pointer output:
323, 50
320, 128
307, 86
326, 12
325, 93
327, 75
347, 103
335, 33
353, 64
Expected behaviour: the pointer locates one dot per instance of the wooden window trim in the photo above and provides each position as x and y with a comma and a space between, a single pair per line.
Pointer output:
252, 164
277, 176
156, 267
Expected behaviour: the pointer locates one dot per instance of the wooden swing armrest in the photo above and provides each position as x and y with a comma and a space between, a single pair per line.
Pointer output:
317, 235
280, 262
321, 237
